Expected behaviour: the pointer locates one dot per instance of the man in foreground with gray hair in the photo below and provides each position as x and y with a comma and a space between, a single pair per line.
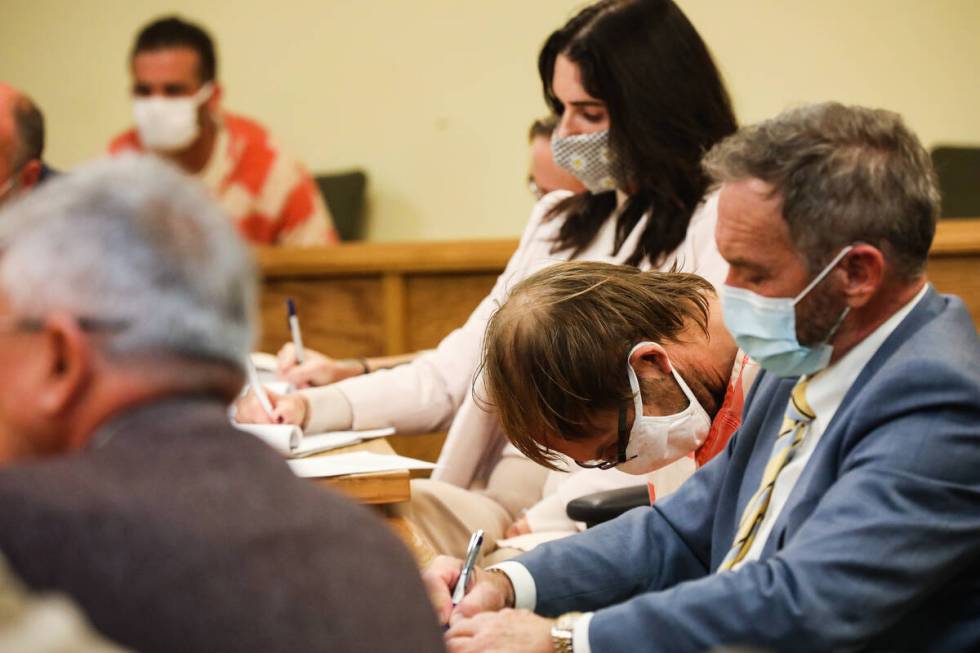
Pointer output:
845, 512
126, 305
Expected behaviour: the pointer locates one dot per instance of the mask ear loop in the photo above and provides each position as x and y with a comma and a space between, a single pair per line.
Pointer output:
823, 273
204, 93
635, 382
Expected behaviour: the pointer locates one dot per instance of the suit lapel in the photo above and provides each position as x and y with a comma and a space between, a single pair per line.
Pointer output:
810, 487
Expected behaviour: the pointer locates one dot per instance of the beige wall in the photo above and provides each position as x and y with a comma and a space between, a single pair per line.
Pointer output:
433, 97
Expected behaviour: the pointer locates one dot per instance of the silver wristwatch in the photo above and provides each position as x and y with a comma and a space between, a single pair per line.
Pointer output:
563, 632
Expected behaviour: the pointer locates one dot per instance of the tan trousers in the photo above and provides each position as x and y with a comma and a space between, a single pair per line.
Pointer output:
446, 515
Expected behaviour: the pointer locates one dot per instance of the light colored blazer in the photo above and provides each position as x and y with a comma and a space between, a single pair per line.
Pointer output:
434, 391
877, 548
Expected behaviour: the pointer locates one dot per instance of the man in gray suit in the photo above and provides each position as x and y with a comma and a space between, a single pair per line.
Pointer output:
845, 512
126, 310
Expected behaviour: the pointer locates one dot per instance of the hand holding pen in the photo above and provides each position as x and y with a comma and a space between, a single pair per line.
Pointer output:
484, 591
472, 550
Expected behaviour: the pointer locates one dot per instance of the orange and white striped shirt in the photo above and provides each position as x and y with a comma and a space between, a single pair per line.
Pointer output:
271, 198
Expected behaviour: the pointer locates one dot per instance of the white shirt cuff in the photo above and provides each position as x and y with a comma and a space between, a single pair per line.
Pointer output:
525, 591
580, 634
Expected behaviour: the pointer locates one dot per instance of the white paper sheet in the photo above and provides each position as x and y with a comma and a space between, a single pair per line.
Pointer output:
360, 462
290, 441
284, 438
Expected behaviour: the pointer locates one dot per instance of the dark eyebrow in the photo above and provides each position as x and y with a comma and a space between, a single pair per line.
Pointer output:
742, 263
587, 103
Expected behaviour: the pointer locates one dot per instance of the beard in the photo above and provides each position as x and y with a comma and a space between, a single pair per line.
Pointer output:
818, 313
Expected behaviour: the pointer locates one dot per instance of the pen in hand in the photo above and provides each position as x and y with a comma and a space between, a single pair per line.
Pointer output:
476, 541
253, 380
294, 329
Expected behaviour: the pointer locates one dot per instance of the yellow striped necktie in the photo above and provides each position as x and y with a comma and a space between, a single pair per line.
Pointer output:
797, 419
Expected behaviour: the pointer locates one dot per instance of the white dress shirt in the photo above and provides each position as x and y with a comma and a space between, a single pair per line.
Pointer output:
825, 392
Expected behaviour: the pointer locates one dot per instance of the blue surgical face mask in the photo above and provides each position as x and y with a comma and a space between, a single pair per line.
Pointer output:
765, 328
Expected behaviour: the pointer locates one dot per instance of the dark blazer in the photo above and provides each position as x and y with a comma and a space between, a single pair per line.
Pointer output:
877, 547
180, 534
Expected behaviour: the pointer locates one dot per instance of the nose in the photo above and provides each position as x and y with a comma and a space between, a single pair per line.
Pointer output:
566, 126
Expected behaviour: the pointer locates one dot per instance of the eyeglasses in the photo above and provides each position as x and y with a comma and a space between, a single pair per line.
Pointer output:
621, 443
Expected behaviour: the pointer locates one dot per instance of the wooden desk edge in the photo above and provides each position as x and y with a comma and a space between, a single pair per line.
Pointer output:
954, 237
375, 488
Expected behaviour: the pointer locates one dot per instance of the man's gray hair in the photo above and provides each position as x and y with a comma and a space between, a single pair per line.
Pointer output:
844, 174
132, 241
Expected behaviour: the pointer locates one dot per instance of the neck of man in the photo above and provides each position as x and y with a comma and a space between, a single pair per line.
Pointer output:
194, 157
706, 359
862, 322
116, 388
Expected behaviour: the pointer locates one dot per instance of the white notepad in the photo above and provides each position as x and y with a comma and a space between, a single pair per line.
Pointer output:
290, 441
359, 462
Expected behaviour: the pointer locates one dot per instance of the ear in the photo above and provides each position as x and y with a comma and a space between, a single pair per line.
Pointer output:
68, 358
650, 360
30, 174
864, 272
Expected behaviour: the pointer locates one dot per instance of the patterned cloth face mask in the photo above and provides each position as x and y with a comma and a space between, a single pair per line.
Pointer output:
588, 157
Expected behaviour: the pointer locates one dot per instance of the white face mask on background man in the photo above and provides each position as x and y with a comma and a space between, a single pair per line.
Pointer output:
658, 440
167, 124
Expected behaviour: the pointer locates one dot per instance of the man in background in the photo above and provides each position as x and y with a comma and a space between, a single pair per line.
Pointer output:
126, 309
177, 110
21, 143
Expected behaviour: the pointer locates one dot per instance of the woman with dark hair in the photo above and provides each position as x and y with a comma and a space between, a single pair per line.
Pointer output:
639, 100
633, 79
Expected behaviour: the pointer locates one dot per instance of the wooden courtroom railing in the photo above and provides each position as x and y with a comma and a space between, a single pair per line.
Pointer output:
369, 299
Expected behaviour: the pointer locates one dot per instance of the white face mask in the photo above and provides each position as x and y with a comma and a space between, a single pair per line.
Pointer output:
168, 124
656, 441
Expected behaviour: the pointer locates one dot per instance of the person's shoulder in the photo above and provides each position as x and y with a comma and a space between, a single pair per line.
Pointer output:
928, 366
245, 129
127, 141
940, 329
544, 218
707, 208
